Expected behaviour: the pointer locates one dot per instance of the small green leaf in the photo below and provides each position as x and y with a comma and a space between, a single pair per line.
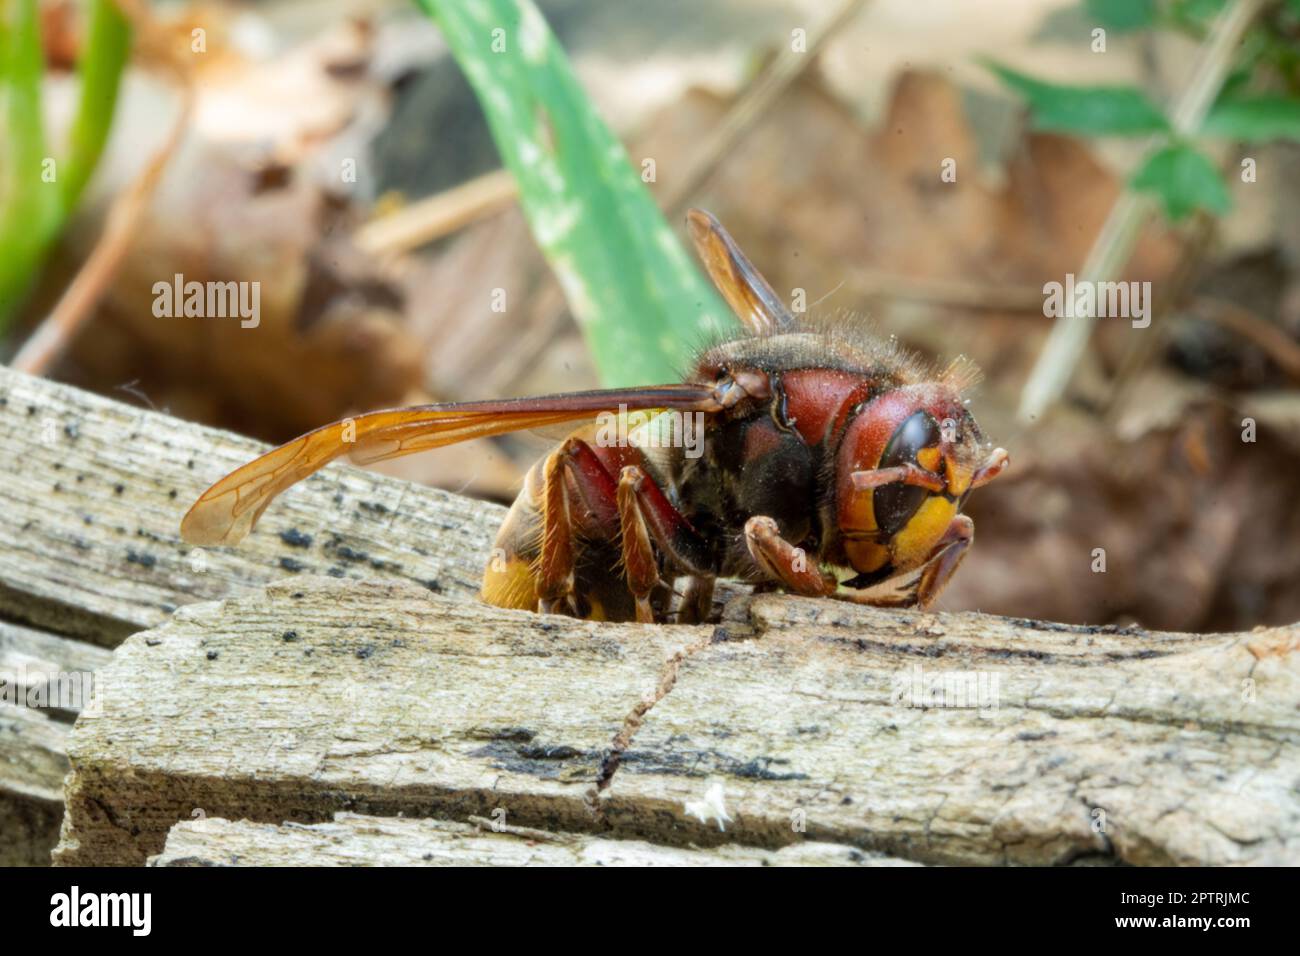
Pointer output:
1254, 119
1184, 180
1122, 15
1088, 110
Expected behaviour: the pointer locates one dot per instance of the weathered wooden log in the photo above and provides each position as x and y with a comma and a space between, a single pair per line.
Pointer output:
809, 716
91, 496
93, 492
355, 840
44, 681
32, 766
936, 738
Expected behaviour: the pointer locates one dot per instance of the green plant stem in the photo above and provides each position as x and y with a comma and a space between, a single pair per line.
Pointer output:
28, 204
108, 44
37, 192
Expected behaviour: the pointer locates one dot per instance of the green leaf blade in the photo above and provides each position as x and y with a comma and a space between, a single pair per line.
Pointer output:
29, 206
107, 47
638, 298
1122, 15
1254, 119
1084, 110
1183, 180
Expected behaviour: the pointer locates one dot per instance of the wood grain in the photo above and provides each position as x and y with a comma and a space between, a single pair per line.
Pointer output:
91, 496
44, 680
91, 506
321, 696
355, 840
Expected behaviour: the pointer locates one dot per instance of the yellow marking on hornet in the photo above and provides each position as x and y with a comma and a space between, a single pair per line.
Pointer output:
512, 587
914, 541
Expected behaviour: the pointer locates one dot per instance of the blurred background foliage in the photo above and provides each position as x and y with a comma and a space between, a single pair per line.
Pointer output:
31, 216
430, 218
1258, 103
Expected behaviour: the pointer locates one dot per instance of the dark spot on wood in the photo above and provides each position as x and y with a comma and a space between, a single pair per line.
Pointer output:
920, 650
1035, 734
433, 585
72, 430
365, 651
212, 655
559, 752
172, 494
1142, 655
1007, 652
295, 538
289, 636
518, 734
140, 558
1133, 630
1056, 627
545, 762
337, 572
119, 488
292, 564
757, 769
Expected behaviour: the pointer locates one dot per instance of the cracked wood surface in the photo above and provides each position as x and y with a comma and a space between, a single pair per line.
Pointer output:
320, 696
43, 677
32, 766
355, 840
91, 496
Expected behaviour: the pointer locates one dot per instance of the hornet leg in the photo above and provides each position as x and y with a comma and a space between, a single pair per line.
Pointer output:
783, 562
936, 571
595, 490
646, 515
697, 602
